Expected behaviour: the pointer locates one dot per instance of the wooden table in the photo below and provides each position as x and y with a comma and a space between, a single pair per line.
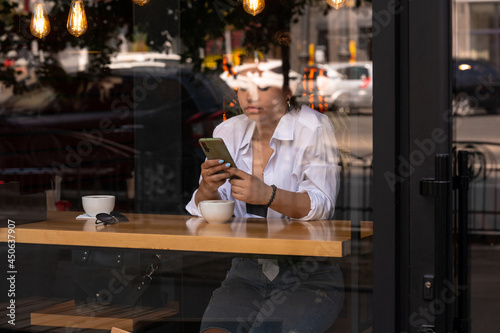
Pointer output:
186, 233
181, 233
63, 316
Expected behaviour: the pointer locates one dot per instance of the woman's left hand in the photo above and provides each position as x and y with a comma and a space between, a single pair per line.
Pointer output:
248, 188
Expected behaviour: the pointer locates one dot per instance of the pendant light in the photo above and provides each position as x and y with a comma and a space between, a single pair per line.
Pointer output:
253, 7
40, 25
77, 20
336, 3
140, 2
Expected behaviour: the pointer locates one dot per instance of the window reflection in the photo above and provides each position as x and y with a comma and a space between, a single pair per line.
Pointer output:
120, 109
476, 83
475, 89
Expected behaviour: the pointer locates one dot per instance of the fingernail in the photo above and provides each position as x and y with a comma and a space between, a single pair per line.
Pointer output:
228, 165
221, 161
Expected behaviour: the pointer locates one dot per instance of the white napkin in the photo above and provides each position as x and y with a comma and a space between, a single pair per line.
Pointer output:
270, 268
85, 216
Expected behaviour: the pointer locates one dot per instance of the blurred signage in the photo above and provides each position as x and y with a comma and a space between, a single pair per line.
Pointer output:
352, 50
311, 54
211, 61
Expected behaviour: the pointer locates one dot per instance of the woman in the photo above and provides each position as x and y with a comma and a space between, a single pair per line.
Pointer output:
287, 166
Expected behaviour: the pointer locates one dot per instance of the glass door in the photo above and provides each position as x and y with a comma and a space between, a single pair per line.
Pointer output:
413, 231
475, 66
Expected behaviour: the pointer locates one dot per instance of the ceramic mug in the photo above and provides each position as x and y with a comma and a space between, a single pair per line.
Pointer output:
216, 211
95, 204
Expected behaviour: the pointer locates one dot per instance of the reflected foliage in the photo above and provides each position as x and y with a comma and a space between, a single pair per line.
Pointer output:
105, 19
195, 22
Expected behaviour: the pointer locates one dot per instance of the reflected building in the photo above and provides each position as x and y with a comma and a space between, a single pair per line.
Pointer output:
339, 36
476, 29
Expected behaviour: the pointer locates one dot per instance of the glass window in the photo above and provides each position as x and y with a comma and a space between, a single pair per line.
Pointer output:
482, 15
476, 105
116, 107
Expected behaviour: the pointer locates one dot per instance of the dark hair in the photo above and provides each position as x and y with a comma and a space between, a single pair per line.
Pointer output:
293, 103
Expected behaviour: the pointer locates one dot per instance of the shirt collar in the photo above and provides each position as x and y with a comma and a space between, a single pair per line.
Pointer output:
286, 126
284, 130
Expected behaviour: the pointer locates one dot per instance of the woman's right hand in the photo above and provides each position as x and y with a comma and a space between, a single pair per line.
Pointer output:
211, 180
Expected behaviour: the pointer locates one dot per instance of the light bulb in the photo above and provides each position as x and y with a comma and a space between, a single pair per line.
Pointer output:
77, 20
336, 3
253, 7
140, 2
40, 25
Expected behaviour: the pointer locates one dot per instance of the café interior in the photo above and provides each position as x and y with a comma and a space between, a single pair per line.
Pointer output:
103, 102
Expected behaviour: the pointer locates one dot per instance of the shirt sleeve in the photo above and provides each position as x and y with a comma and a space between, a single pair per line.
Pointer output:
319, 172
191, 206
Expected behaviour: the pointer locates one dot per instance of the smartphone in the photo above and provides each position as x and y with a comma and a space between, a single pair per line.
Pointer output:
215, 149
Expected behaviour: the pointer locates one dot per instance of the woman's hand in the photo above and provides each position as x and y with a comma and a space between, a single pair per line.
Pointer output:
252, 190
211, 180
249, 188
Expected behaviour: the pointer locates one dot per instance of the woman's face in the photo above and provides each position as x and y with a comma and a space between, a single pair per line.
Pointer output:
261, 95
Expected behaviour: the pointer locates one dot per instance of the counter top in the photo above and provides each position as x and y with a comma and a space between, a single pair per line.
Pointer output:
326, 238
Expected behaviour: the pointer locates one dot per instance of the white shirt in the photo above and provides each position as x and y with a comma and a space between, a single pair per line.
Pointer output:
305, 159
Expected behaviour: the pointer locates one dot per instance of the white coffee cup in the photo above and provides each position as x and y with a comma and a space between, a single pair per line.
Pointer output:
216, 211
95, 204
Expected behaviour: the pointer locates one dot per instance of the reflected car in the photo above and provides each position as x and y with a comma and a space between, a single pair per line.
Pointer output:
318, 82
475, 85
355, 89
137, 126
339, 87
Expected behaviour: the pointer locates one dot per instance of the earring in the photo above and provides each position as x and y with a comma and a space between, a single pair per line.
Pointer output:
288, 103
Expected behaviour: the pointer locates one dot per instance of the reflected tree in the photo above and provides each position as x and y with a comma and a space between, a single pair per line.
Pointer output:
194, 22
105, 20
